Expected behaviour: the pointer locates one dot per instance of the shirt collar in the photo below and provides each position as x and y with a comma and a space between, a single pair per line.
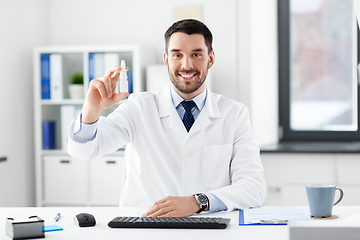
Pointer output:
177, 99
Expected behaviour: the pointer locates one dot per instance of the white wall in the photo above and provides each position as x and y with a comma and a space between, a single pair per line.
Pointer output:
258, 66
23, 24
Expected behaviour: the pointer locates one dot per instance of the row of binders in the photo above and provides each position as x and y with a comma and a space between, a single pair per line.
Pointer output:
54, 80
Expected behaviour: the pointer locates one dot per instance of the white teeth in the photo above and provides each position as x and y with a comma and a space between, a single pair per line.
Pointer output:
187, 76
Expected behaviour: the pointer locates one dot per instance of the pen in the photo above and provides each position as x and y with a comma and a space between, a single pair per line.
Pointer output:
57, 217
274, 221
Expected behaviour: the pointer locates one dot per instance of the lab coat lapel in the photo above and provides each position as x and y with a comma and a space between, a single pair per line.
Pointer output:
210, 110
167, 110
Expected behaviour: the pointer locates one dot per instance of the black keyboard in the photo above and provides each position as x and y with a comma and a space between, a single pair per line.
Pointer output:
169, 222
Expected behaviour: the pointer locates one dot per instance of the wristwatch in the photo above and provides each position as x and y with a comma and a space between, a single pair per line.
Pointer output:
202, 200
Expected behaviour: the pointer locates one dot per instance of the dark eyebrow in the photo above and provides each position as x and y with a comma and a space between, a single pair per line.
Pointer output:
194, 50
198, 50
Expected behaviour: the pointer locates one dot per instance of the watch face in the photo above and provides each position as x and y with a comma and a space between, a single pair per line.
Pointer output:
202, 199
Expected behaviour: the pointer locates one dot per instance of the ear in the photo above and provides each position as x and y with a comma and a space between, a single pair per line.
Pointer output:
211, 58
165, 59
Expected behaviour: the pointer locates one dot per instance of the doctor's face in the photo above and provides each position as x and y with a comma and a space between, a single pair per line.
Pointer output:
188, 61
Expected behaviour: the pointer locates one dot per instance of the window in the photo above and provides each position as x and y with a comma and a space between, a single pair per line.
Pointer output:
318, 58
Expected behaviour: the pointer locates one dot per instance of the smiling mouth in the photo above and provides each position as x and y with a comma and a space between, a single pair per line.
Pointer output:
187, 76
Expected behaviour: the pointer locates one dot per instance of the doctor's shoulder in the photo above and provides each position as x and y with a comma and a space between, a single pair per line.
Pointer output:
230, 105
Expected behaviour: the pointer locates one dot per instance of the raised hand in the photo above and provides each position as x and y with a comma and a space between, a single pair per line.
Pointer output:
101, 95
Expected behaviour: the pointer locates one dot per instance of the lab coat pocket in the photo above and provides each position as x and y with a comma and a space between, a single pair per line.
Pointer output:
216, 165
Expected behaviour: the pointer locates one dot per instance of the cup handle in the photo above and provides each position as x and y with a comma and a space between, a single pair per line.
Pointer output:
341, 196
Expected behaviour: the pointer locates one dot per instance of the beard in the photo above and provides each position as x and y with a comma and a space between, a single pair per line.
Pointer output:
191, 86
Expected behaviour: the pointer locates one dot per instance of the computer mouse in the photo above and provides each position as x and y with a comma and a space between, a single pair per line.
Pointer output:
85, 220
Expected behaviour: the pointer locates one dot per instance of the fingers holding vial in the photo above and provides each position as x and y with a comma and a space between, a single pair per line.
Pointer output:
111, 80
118, 78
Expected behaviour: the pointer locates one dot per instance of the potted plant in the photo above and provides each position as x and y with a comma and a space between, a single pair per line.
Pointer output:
76, 88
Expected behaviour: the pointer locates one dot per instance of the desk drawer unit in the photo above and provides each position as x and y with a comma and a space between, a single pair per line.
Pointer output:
65, 180
106, 181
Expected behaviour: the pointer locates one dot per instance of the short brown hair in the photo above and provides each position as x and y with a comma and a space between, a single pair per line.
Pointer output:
190, 26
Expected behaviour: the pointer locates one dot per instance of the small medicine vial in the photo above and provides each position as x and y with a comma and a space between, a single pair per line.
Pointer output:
123, 81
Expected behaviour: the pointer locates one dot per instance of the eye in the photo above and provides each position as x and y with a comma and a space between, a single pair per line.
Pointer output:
176, 55
197, 55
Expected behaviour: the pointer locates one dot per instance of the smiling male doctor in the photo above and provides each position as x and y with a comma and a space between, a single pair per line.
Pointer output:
188, 149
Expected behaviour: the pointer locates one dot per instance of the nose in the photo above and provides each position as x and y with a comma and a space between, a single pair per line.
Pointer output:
187, 63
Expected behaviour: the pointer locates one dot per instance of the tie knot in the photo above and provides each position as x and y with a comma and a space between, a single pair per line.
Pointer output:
188, 105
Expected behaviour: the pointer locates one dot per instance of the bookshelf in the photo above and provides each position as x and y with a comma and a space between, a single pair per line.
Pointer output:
62, 180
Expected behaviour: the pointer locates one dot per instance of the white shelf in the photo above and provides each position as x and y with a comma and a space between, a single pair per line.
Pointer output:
63, 102
76, 58
119, 153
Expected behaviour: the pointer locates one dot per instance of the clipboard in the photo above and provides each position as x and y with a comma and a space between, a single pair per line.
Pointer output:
277, 215
262, 222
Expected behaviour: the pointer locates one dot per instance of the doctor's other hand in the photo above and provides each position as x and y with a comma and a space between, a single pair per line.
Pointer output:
173, 207
101, 95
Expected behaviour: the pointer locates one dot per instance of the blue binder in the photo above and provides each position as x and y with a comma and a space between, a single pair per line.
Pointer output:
48, 128
91, 66
130, 82
45, 76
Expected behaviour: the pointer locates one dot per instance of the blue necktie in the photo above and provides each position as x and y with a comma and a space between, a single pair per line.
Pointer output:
188, 118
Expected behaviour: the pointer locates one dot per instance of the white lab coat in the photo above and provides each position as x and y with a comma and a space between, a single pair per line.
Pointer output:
218, 154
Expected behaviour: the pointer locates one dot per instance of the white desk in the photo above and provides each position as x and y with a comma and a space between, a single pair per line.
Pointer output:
104, 215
